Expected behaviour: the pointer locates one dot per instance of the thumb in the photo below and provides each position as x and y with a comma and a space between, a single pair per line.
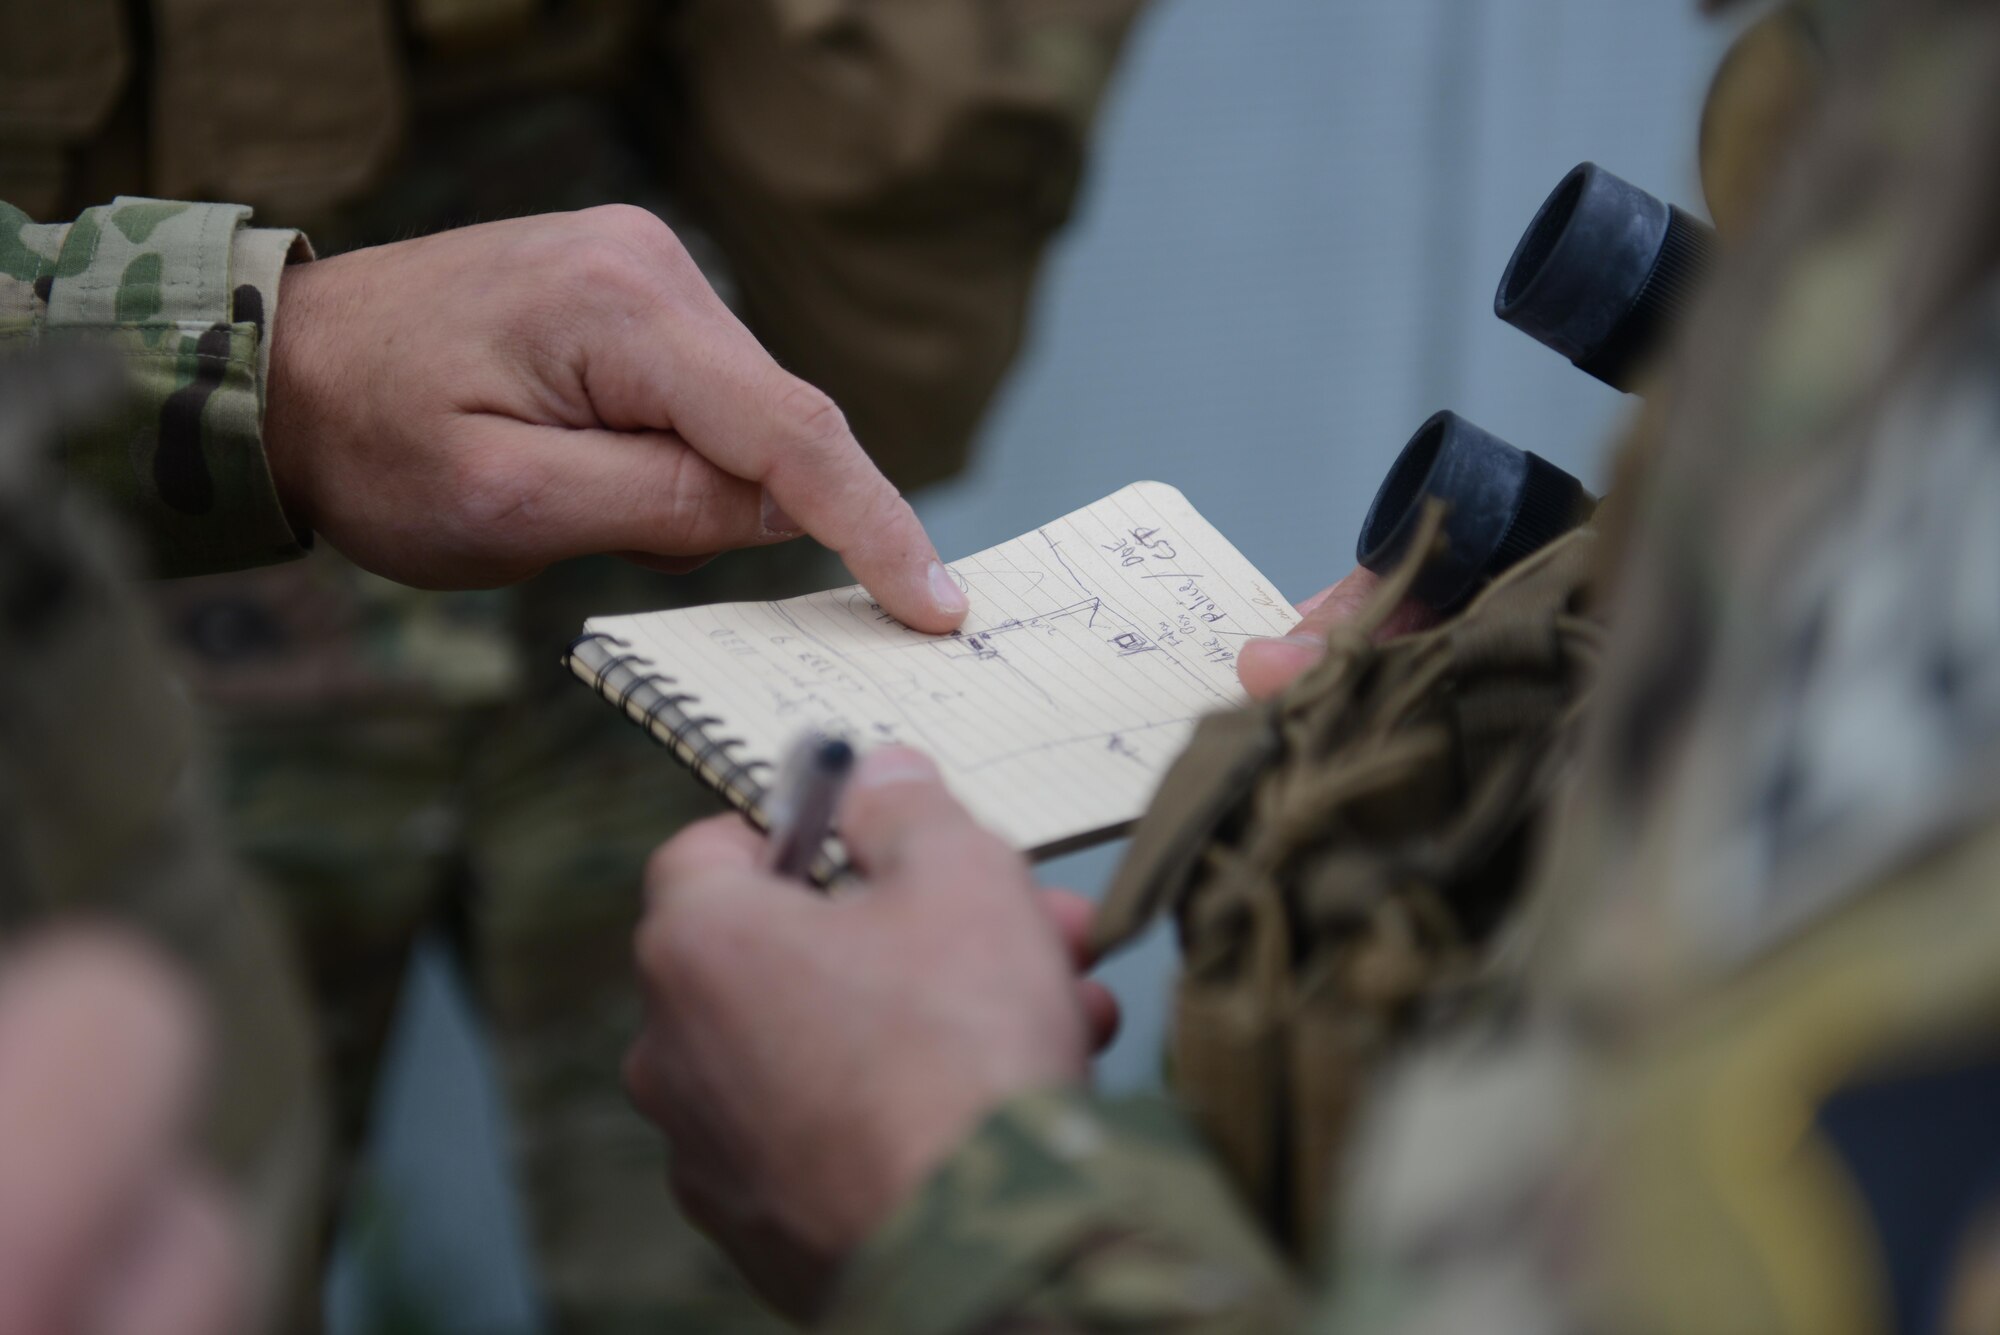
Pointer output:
1267, 666
902, 825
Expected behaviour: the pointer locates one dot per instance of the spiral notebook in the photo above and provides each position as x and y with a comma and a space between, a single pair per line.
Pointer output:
1093, 646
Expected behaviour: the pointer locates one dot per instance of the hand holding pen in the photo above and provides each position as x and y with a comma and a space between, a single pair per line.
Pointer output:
802, 802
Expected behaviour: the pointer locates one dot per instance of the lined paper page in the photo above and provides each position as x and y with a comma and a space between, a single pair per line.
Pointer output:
1093, 645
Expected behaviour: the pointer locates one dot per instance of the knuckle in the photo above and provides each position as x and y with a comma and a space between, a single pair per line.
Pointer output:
625, 245
629, 225
643, 1077
648, 945
863, 803
676, 938
668, 955
812, 422
943, 834
885, 816
497, 491
598, 260
672, 915
695, 514
661, 864
986, 854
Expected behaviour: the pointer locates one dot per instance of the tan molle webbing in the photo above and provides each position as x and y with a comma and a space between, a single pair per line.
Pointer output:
62, 68
1337, 859
292, 106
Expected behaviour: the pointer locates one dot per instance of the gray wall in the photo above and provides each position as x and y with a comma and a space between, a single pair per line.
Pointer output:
1284, 262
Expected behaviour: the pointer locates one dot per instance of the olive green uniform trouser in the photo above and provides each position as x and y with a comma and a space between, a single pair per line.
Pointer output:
519, 830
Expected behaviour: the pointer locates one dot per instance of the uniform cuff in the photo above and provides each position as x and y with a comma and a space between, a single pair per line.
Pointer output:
184, 293
1074, 1211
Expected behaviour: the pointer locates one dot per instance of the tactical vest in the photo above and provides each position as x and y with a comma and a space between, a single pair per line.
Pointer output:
1338, 859
1343, 863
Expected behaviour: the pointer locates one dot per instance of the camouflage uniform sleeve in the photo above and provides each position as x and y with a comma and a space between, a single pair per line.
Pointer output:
1065, 1213
183, 292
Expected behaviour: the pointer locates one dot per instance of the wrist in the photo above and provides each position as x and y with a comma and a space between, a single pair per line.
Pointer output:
934, 1125
288, 409
262, 264
1033, 1165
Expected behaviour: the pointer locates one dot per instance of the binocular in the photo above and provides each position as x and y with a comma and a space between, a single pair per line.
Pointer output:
1502, 505
1603, 274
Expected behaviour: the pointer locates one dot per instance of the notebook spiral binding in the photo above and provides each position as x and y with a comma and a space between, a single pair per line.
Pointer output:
646, 695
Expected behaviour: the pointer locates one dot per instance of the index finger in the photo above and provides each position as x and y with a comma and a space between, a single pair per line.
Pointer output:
902, 826
748, 416
820, 478
724, 843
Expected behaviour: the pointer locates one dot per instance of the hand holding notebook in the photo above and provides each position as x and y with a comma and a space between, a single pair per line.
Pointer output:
1093, 646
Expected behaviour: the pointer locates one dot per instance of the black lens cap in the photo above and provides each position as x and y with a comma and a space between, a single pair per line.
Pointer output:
1502, 504
1604, 273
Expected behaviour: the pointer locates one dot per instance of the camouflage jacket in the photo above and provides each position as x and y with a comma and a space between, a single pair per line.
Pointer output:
184, 292
1747, 1080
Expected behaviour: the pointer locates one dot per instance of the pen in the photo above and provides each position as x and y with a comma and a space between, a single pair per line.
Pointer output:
803, 799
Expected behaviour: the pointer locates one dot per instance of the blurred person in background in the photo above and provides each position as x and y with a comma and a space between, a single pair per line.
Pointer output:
109, 1221
1731, 1063
161, 1118
872, 184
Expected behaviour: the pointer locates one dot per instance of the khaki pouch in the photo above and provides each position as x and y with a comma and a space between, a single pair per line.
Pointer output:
1338, 861
291, 106
883, 176
62, 68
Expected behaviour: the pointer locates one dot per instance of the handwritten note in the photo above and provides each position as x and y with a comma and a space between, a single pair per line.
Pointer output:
1094, 645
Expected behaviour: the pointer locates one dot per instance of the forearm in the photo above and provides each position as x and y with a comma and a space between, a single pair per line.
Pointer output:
186, 294
1064, 1213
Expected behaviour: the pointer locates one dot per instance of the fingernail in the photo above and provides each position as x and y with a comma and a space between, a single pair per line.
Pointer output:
776, 521
887, 765
945, 592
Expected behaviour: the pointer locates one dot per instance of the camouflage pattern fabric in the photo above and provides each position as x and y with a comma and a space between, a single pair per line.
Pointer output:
101, 817
1068, 1213
183, 292
1748, 1079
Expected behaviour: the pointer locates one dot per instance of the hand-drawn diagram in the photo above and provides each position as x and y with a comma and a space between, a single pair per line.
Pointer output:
1093, 645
